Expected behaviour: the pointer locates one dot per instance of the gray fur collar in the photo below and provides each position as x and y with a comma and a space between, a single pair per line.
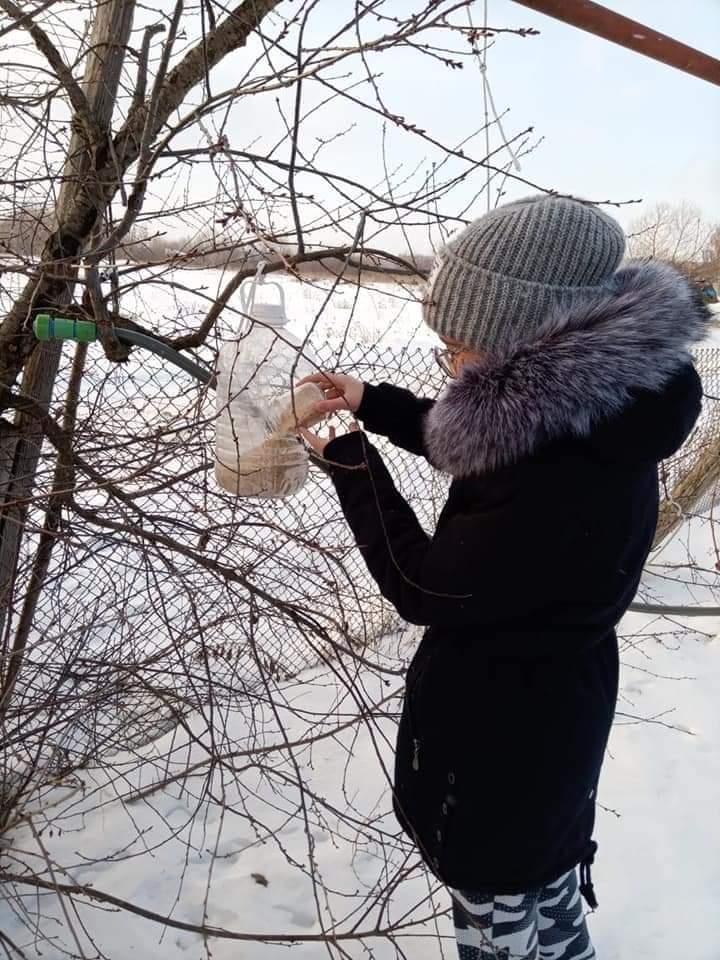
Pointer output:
577, 369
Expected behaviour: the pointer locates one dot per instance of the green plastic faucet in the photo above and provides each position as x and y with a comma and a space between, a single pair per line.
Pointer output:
46, 328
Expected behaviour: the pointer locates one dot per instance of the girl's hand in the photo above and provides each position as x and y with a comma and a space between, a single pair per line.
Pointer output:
342, 392
318, 443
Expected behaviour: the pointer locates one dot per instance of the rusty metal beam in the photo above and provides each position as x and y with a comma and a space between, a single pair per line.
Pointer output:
629, 33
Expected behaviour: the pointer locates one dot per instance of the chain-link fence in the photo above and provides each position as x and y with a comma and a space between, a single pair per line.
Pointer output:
162, 585
701, 445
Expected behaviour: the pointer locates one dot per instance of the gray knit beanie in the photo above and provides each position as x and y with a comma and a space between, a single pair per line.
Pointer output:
496, 281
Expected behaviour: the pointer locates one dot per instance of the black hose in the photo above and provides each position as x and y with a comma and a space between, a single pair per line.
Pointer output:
199, 371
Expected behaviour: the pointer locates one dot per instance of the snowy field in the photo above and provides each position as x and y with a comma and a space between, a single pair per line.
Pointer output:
657, 874
378, 314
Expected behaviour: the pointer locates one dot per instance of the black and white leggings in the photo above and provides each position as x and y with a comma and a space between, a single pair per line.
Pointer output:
545, 924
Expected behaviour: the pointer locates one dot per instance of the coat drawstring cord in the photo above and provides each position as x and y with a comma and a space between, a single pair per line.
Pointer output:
586, 884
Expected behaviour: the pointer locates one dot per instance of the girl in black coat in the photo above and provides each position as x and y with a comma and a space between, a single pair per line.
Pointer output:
571, 381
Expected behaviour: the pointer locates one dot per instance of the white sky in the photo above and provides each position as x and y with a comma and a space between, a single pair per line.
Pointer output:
615, 125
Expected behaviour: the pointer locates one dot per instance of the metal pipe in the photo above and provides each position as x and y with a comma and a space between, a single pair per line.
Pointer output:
677, 611
596, 19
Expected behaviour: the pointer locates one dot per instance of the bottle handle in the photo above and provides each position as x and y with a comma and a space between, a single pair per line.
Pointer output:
247, 297
281, 292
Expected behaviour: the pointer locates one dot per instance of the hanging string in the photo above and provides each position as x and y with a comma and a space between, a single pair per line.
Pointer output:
483, 72
488, 97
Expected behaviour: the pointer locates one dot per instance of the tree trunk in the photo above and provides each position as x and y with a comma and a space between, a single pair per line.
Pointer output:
105, 160
20, 448
62, 482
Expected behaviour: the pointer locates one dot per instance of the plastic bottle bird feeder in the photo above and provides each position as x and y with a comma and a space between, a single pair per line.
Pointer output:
257, 453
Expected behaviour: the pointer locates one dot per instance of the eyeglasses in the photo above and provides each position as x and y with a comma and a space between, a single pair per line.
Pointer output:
445, 359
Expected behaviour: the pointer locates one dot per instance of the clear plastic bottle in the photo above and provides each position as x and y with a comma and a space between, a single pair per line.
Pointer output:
256, 451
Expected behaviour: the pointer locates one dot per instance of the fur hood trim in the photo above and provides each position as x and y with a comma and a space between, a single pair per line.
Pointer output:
578, 369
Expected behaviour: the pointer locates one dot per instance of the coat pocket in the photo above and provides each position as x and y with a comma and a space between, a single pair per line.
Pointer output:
413, 688
418, 666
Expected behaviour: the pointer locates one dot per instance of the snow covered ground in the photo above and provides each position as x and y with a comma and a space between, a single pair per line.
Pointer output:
657, 874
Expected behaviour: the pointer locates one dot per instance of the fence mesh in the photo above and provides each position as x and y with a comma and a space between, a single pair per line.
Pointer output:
174, 583
704, 437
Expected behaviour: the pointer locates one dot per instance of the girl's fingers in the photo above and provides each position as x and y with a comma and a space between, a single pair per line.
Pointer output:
328, 406
315, 441
330, 393
321, 378
312, 439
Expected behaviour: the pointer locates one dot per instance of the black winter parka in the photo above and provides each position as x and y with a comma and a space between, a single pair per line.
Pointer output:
537, 554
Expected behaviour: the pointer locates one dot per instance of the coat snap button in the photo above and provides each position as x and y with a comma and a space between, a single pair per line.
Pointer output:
439, 836
451, 778
444, 809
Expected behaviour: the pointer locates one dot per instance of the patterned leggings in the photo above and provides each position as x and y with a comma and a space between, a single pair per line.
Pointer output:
545, 924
